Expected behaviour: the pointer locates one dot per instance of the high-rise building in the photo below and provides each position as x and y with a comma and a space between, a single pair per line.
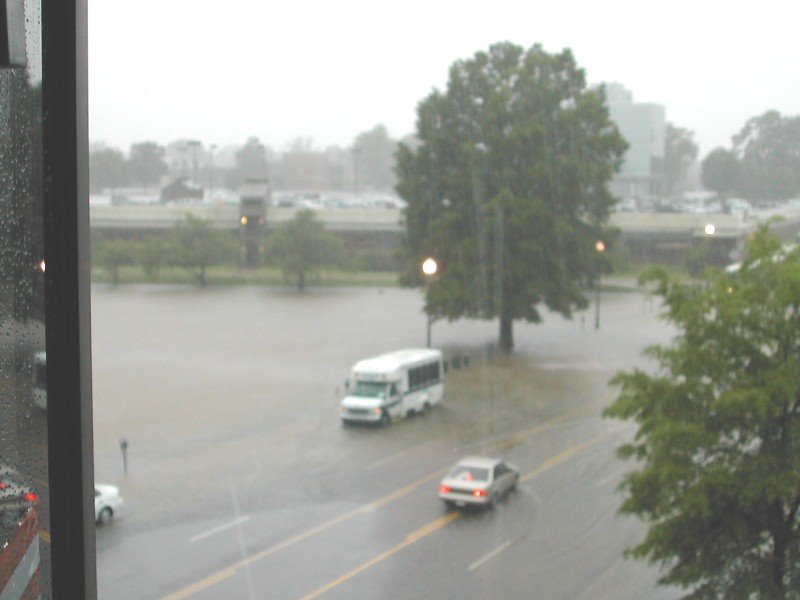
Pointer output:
642, 124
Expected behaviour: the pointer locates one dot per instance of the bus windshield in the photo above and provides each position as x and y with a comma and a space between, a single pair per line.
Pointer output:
370, 389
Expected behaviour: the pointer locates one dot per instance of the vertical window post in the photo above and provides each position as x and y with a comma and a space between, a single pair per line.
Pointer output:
66, 236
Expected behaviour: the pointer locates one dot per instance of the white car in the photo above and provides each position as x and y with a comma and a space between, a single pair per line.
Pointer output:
478, 481
107, 503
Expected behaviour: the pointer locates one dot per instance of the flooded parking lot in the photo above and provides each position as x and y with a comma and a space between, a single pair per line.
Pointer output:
229, 398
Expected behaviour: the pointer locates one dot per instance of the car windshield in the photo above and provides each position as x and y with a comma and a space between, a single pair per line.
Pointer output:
370, 389
467, 473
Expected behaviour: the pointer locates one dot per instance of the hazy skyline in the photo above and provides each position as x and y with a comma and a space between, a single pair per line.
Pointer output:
168, 70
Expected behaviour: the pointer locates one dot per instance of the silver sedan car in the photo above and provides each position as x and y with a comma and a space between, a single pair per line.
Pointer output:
478, 481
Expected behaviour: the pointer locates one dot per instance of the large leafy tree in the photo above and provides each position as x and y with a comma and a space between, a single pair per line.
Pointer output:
107, 167
146, 164
301, 247
198, 246
373, 159
507, 186
112, 255
720, 171
719, 432
680, 151
769, 148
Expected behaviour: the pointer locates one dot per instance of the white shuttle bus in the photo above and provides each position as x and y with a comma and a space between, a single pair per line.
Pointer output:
392, 386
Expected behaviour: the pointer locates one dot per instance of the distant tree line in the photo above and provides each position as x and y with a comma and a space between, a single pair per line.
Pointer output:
763, 162
366, 165
193, 245
300, 248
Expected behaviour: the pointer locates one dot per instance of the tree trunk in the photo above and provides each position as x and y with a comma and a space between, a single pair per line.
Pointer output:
506, 332
781, 534
202, 275
301, 282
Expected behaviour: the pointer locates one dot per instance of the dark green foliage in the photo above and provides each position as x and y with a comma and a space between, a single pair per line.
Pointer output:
719, 432
507, 186
721, 171
197, 246
680, 151
301, 247
769, 148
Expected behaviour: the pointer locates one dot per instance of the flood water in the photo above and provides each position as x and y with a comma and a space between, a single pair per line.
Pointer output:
235, 390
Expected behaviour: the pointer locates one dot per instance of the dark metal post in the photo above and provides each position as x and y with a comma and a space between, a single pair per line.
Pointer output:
428, 338
600, 247
123, 445
597, 302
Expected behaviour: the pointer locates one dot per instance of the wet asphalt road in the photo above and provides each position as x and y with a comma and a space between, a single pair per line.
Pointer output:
242, 483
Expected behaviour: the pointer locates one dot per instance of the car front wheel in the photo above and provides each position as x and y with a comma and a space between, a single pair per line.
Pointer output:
104, 518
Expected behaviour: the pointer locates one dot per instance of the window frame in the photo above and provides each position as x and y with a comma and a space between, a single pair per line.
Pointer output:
67, 297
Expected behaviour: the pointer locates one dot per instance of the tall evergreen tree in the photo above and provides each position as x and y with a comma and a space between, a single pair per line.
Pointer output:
507, 187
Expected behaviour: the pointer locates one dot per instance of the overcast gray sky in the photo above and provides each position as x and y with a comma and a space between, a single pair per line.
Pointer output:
222, 71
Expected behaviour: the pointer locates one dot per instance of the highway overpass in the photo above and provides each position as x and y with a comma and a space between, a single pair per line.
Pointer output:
650, 236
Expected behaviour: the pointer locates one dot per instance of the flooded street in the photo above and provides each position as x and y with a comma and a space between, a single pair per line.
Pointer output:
228, 398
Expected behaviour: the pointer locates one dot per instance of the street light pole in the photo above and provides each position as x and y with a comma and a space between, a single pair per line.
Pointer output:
211, 149
600, 247
429, 269
428, 337
194, 145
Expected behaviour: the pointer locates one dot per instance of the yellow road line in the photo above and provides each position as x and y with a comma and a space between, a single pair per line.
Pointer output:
379, 503
204, 583
561, 457
44, 536
433, 526
230, 571
410, 539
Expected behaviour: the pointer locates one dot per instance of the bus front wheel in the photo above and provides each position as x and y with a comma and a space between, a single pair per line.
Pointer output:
386, 420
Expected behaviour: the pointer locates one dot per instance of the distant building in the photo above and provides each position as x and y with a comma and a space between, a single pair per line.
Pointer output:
643, 126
